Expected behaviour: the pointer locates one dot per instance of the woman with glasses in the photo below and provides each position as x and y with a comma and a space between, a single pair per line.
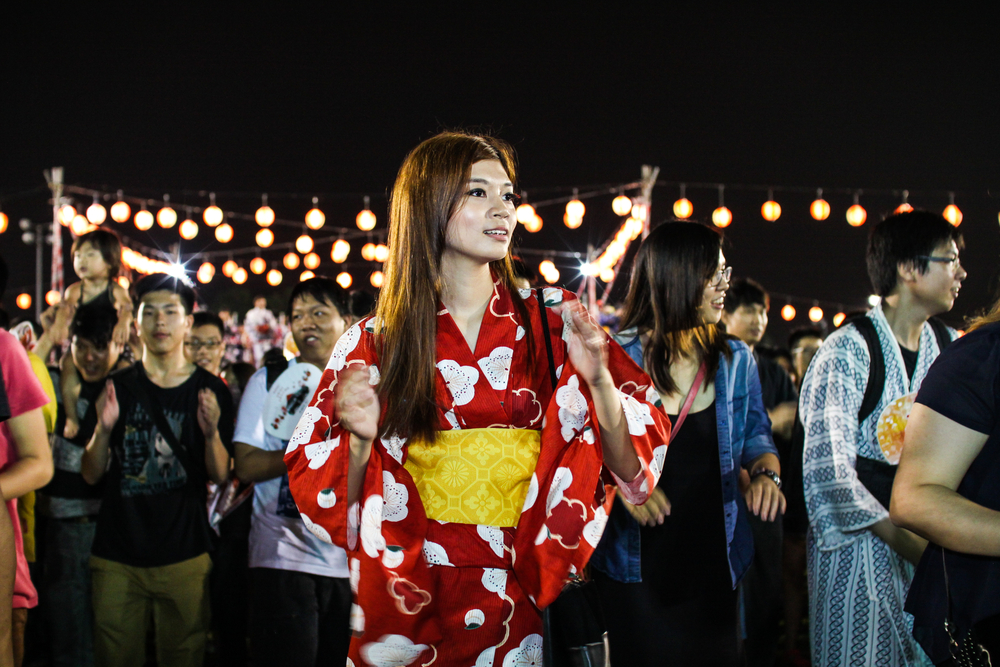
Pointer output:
668, 570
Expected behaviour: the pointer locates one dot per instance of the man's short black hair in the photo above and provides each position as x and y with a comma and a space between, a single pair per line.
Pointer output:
94, 322
325, 291
161, 282
803, 332
746, 292
905, 238
205, 318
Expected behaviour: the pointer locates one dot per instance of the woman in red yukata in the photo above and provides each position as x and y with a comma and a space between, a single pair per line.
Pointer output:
465, 487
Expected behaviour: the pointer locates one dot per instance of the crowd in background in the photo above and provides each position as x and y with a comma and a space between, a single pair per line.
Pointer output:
279, 592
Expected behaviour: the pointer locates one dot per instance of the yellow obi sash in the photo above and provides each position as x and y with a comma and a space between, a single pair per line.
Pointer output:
475, 476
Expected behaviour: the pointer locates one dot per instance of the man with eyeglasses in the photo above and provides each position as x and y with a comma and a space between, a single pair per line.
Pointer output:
860, 565
203, 345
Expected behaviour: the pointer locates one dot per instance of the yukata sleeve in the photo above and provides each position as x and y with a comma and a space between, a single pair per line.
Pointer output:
318, 453
838, 504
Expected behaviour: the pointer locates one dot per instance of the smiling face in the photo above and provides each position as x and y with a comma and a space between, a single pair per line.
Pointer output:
938, 287
480, 229
204, 347
93, 362
714, 296
316, 327
163, 321
89, 264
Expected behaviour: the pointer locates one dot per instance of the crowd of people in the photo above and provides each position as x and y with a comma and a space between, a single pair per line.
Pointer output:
471, 471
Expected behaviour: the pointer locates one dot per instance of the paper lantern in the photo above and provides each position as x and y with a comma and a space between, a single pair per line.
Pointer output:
377, 278
265, 237
621, 205
819, 209
903, 208
607, 275
212, 215
856, 215
683, 208
366, 219
524, 213
166, 217
206, 272
770, 210
240, 276
188, 229
124, 282
575, 211
815, 314
311, 261
4, 222
257, 265
368, 252
571, 222
80, 225
96, 213
344, 279
381, 253
838, 319
640, 212
52, 297
951, 212
120, 211
224, 233
788, 312
534, 224
315, 218
291, 261
143, 219
229, 268
66, 214
340, 250
23, 301
264, 215
722, 217
306, 275
274, 277
304, 244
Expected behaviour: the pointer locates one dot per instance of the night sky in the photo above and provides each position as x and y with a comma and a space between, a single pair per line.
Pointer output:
302, 104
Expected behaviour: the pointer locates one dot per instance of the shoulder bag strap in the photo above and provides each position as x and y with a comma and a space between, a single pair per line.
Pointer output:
689, 401
152, 406
548, 337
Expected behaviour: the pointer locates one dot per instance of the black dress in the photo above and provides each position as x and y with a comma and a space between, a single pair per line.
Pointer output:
685, 610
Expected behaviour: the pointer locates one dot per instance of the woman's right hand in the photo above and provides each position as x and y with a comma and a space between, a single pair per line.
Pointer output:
357, 403
653, 511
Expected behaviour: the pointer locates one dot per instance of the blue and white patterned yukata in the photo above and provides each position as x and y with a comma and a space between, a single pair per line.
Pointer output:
857, 583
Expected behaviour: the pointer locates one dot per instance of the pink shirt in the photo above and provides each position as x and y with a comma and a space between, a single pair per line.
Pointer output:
24, 393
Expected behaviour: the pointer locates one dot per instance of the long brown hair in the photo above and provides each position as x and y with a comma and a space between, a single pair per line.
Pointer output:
988, 317
427, 192
671, 270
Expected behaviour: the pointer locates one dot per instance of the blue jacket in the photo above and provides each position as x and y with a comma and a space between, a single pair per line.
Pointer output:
744, 434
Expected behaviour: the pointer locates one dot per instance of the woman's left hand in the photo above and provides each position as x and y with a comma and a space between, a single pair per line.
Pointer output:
587, 346
764, 498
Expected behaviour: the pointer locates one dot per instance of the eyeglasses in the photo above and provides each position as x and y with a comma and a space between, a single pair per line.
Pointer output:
198, 344
722, 275
951, 262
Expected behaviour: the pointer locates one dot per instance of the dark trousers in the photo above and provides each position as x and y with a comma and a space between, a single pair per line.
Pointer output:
66, 587
229, 586
763, 593
298, 619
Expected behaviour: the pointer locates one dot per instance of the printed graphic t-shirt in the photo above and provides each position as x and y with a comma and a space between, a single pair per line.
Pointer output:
279, 538
153, 512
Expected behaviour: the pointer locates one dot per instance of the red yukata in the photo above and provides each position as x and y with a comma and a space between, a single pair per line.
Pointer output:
446, 593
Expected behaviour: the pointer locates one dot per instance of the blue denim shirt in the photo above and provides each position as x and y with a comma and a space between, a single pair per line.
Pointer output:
744, 434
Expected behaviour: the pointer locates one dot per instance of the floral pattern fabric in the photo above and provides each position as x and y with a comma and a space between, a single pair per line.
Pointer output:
460, 594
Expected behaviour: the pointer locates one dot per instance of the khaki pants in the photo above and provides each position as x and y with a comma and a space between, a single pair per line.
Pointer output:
126, 598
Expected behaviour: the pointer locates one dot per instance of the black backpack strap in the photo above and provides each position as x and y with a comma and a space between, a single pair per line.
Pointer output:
548, 337
941, 332
876, 369
274, 369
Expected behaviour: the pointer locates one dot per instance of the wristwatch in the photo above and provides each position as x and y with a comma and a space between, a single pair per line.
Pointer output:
770, 473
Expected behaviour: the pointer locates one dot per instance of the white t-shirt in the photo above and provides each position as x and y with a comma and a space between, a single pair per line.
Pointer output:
278, 537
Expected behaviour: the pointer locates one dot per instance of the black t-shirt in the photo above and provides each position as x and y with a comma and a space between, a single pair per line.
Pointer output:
67, 483
775, 388
909, 361
153, 512
964, 386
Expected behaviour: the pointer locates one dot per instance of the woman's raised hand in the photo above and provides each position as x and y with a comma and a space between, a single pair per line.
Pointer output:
357, 403
587, 346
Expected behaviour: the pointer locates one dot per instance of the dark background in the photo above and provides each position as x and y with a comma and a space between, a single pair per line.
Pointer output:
303, 102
